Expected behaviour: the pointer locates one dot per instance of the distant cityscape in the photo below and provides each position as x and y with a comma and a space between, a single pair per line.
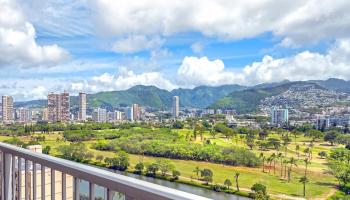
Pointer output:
296, 106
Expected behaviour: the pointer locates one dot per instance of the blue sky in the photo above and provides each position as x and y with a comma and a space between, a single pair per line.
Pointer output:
100, 45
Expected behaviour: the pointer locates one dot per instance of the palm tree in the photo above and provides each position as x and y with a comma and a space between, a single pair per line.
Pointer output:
292, 163
197, 170
286, 141
285, 162
236, 178
297, 148
304, 180
269, 160
280, 156
307, 162
262, 157
273, 156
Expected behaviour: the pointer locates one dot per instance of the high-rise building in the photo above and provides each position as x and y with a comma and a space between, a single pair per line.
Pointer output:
279, 117
136, 112
24, 115
82, 107
176, 106
99, 115
45, 114
130, 113
58, 107
7, 109
114, 116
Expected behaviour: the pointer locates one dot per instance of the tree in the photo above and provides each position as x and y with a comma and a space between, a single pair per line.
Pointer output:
273, 158
263, 158
297, 149
280, 156
165, 166
274, 142
46, 150
292, 162
139, 167
286, 141
322, 154
259, 191
178, 125
152, 169
339, 165
304, 180
176, 174
308, 152
315, 134
331, 137
99, 158
120, 162
227, 183
236, 178
207, 175
250, 140
197, 170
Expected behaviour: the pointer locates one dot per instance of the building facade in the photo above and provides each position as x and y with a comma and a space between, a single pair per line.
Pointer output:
130, 114
7, 109
24, 115
136, 112
175, 106
82, 106
279, 117
99, 115
58, 107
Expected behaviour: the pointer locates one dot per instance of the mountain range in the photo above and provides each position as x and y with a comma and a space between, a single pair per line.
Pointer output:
226, 96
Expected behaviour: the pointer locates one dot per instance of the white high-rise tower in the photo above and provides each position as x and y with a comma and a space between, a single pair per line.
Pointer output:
176, 106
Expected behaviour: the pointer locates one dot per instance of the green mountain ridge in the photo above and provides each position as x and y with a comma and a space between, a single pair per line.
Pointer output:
244, 98
151, 96
246, 101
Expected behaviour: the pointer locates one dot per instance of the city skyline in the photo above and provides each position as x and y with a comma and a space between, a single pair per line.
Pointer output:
78, 48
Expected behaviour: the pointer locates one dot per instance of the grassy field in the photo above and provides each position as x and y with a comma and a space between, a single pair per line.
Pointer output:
320, 185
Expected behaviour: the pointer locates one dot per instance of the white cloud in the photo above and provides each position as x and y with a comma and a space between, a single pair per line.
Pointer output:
136, 43
122, 81
302, 66
17, 40
201, 71
300, 21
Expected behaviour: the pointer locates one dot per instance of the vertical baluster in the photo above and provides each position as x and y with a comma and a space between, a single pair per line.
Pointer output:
14, 176
63, 186
26, 180
43, 176
2, 175
76, 189
6, 176
34, 180
109, 194
19, 185
91, 191
53, 182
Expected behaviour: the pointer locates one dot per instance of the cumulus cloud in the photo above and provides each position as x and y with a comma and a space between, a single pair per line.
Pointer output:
227, 19
305, 65
124, 79
201, 71
17, 40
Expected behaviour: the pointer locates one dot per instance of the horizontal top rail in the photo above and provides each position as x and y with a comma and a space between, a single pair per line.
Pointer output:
132, 187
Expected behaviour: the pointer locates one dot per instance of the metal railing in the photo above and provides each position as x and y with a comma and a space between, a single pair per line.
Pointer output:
28, 175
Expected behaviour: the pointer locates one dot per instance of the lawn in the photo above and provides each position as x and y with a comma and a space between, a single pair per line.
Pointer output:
321, 182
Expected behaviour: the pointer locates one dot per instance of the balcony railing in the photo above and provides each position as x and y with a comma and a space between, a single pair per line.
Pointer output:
28, 175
